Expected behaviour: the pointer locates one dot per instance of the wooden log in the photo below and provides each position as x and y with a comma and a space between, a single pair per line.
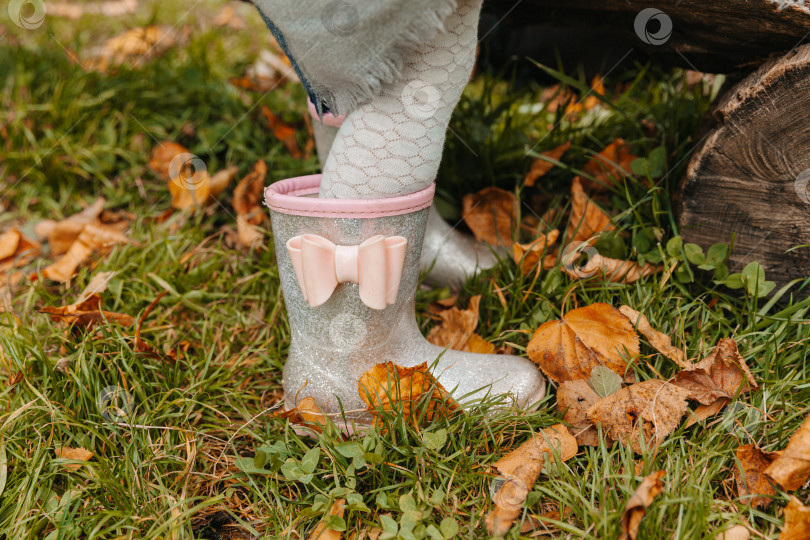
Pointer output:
750, 174
716, 36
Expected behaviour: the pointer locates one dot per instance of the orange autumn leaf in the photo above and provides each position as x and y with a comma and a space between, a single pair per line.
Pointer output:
321, 532
191, 189
520, 469
388, 388
753, 486
86, 313
797, 521
92, 238
652, 407
73, 454
162, 155
608, 166
284, 133
792, 468
718, 376
306, 412
595, 335
660, 342
16, 250
597, 89
637, 506
541, 166
587, 220
528, 255
477, 344
491, 215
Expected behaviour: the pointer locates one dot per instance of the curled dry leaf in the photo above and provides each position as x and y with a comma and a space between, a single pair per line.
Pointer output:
752, 484
609, 165
720, 375
541, 166
16, 250
528, 255
75, 454
520, 469
194, 189
587, 220
86, 313
389, 387
247, 197
660, 342
595, 335
611, 270
574, 399
792, 469
637, 506
457, 327
797, 521
92, 238
491, 214
321, 532
652, 407
308, 412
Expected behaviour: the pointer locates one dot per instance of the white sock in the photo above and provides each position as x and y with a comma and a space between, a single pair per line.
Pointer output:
393, 145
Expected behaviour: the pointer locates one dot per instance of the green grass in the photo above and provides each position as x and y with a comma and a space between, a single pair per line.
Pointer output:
175, 467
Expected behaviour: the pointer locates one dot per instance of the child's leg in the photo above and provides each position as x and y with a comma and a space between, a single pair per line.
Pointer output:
393, 144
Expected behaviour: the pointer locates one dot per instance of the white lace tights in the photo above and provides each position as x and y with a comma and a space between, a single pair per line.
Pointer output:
393, 145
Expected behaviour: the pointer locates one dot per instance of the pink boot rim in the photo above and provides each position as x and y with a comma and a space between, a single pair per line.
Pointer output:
329, 119
290, 196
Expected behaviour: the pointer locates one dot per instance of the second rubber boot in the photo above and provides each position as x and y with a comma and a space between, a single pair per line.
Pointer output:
349, 271
448, 255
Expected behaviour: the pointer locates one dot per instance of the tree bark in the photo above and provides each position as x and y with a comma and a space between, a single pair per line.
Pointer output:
750, 174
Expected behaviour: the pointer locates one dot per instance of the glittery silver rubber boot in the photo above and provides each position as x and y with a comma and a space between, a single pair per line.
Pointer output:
349, 271
448, 255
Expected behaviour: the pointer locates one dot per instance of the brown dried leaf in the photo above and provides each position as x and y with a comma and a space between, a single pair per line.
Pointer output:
321, 532
61, 234
587, 219
611, 270
792, 469
797, 521
86, 313
306, 411
491, 215
520, 468
391, 387
750, 475
456, 326
737, 532
16, 250
636, 507
574, 398
595, 335
657, 405
92, 238
660, 342
540, 166
719, 375
134, 47
247, 198
477, 344
610, 165
108, 8
528, 255
8, 243
702, 412
76, 454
